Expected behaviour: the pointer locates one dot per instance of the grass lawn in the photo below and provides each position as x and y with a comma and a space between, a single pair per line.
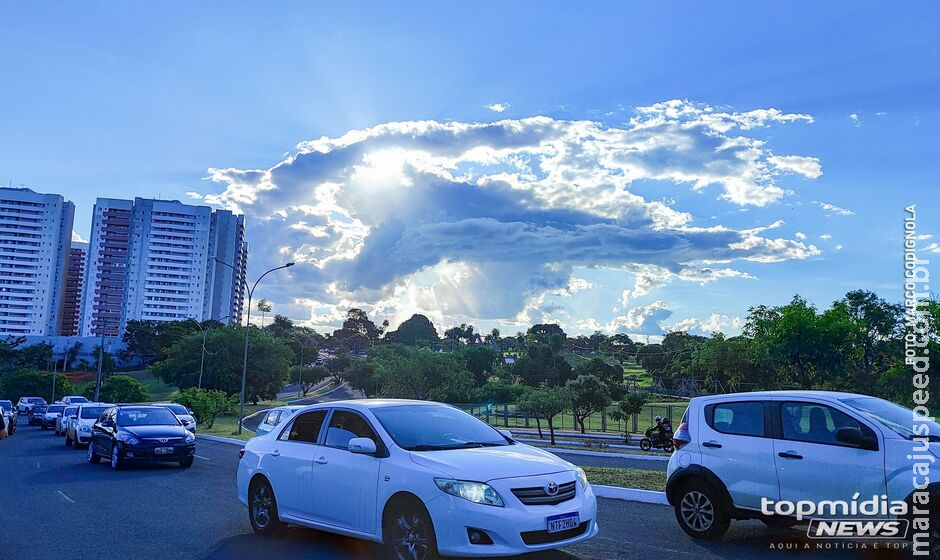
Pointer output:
226, 425
627, 478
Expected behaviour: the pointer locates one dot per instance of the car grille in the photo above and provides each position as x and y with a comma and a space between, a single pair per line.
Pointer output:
532, 538
157, 442
537, 496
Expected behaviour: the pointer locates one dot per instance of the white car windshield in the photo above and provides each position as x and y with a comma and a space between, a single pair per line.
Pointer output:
89, 412
177, 409
895, 417
434, 428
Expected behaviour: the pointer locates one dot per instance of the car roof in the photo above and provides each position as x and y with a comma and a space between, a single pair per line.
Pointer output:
830, 395
374, 403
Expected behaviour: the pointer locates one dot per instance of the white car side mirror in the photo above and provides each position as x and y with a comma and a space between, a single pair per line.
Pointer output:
361, 445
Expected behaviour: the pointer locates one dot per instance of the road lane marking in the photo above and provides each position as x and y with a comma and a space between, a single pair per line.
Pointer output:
201, 457
64, 497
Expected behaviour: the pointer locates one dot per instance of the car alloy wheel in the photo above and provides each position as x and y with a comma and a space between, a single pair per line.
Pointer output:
115, 457
261, 505
410, 537
697, 511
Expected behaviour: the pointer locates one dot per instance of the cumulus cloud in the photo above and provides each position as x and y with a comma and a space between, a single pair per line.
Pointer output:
826, 236
76, 238
644, 319
714, 323
834, 209
799, 235
498, 107
806, 166
482, 220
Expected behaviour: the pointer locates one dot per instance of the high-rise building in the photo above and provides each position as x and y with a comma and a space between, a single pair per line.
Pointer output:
35, 236
162, 267
106, 267
70, 325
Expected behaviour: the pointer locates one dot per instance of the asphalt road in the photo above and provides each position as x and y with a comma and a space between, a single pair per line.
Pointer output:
57, 506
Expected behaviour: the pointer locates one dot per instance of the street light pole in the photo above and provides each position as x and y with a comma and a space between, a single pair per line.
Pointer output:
202, 357
251, 291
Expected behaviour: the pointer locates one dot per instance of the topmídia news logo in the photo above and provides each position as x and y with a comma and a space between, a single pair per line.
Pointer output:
876, 518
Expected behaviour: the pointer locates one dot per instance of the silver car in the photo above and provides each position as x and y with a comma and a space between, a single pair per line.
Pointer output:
61, 423
184, 414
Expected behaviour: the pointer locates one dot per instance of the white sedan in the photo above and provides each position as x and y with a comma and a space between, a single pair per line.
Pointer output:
421, 478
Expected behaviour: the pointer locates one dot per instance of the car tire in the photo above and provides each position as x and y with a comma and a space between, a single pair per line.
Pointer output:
116, 462
186, 463
408, 533
700, 511
262, 509
93, 457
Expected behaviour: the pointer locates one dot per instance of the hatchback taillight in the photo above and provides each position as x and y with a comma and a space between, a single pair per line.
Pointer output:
682, 436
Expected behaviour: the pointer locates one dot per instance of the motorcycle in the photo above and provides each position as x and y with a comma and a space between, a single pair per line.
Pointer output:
655, 439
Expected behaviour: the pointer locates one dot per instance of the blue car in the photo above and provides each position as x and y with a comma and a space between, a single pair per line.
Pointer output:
36, 414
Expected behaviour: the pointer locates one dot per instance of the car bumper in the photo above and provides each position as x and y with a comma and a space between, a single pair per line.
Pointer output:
514, 529
82, 437
147, 454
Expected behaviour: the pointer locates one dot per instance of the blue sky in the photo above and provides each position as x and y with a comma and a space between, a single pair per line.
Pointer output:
129, 99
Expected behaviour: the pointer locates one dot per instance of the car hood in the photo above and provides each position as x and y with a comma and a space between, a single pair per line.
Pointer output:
156, 431
484, 464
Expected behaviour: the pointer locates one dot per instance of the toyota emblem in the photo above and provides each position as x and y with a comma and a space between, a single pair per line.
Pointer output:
551, 489
164, 440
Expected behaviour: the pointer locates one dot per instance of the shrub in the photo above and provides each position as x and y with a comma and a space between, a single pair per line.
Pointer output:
206, 404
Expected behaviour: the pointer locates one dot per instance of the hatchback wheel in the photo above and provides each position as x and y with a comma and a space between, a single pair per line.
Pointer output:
92, 456
116, 462
408, 534
262, 509
700, 512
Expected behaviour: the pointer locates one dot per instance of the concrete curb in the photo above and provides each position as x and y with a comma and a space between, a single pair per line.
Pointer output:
611, 492
630, 494
219, 439
585, 453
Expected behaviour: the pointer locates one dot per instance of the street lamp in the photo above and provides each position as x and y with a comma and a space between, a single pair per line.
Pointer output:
251, 291
202, 358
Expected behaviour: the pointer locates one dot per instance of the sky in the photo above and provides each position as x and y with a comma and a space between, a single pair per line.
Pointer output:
623, 167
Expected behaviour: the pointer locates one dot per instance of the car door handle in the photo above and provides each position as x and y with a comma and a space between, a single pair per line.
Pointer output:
275, 453
713, 444
320, 460
790, 455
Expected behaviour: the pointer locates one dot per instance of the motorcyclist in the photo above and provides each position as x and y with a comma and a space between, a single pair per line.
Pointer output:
660, 429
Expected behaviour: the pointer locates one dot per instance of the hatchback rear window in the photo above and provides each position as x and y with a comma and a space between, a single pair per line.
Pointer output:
737, 418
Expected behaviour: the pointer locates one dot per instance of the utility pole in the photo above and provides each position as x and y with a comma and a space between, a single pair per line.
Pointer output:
100, 363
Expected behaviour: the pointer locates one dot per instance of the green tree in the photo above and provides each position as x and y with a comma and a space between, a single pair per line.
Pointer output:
206, 404
360, 375
875, 322
628, 408
421, 373
120, 389
107, 361
33, 383
480, 361
498, 391
418, 330
545, 403
609, 374
589, 395
620, 346
541, 365
308, 376
269, 361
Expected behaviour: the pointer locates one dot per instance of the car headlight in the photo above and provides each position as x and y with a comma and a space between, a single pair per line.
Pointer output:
128, 439
582, 478
475, 492
190, 438
85, 428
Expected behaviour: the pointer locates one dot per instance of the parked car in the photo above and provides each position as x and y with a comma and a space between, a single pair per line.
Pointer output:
141, 433
184, 414
25, 404
74, 399
271, 418
422, 478
36, 414
81, 423
51, 415
733, 451
8, 415
62, 421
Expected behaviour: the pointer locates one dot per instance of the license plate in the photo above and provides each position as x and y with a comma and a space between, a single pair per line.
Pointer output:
163, 450
563, 522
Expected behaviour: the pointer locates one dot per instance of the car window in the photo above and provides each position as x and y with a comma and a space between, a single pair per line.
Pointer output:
346, 425
55, 408
737, 418
305, 428
815, 423
69, 411
271, 418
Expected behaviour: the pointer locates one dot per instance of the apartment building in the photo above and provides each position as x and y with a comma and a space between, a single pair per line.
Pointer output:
70, 324
153, 261
35, 238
